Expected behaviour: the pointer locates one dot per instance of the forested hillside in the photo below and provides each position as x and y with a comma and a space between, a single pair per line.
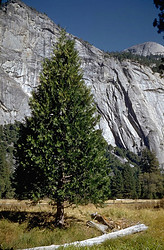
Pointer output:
152, 61
8, 137
132, 176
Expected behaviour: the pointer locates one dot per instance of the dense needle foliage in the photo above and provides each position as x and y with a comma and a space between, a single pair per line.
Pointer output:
160, 22
8, 136
135, 176
60, 154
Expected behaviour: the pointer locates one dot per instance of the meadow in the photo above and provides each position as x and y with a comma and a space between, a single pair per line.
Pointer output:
24, 224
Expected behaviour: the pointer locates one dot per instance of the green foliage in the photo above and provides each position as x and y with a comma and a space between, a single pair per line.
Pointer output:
125, 181
152, 61
120, 152
160, 26
8, 136
152, 185
152, 181
129, 183
4, 174
117, 185
149, 162
160, 22
60, 154
132, 157
135, 176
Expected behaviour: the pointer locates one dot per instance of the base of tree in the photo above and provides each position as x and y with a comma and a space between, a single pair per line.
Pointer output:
59, 222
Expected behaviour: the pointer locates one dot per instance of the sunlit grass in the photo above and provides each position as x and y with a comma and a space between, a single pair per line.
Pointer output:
31, 226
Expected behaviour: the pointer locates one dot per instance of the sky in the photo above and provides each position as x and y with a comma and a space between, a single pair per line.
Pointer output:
110, 25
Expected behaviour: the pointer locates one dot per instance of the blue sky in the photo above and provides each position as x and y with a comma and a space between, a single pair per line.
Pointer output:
111, 25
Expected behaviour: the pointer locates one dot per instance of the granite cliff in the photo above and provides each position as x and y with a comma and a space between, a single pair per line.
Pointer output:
146, 49
129, 96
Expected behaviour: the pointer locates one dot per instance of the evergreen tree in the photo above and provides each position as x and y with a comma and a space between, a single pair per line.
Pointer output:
152, 185
116, 186
160, 22
136, 174
60, 154
2, 172
129, 182
149, 162
6, 163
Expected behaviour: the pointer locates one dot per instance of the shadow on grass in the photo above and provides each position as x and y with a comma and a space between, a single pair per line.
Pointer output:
42, 220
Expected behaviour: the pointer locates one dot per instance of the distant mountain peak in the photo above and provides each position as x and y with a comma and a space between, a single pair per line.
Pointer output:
146, 49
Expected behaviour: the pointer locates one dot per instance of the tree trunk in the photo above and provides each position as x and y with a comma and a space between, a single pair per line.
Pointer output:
60, 214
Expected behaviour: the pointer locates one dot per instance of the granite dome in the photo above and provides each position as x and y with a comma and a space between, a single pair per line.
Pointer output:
147, 49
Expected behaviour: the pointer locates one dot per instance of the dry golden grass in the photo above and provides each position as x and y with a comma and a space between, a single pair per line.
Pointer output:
23, 224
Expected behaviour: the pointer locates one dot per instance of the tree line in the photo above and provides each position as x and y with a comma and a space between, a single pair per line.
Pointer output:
152, 61
139, 176
8, 137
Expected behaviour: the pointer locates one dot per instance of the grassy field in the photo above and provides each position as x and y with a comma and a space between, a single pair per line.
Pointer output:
25, 225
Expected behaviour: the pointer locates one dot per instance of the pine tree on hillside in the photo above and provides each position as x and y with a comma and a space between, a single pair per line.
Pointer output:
149, 162
5, 165
60, 154
116, 186
129, 182
152, 185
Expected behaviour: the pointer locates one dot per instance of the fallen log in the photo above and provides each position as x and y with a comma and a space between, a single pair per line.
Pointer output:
110, 223
103, 220
97, 240
100, 227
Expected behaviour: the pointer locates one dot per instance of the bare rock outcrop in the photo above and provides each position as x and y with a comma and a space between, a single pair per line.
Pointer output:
129, 96
146, 49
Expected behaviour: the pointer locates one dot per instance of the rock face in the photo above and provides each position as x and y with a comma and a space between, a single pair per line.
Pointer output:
146, 49
129, 97
26, 37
